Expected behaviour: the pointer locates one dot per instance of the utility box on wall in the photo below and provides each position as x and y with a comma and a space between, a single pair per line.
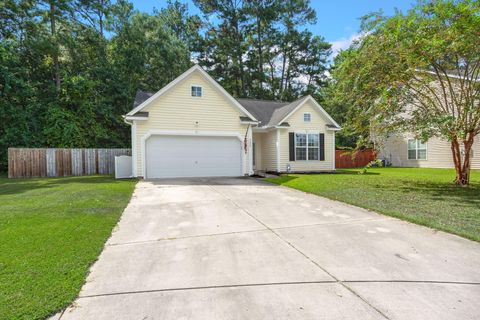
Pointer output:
123, 167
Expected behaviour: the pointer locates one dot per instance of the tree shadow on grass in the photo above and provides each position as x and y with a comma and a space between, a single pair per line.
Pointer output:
356, 171
282, 179
17, 186
443, 192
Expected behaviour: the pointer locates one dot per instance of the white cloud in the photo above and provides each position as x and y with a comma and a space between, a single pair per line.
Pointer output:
344, 43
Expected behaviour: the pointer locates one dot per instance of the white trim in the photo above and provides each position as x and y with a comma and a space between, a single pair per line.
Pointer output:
333, 129
250, 150
334, 153
277, 144
134, 149
265, 129
310, 98
254, 154
183, 76
249, 122
189, 133
130, 118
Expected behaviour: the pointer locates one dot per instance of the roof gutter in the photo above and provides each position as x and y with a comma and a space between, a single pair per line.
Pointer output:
253, 123
126, 120
333, 129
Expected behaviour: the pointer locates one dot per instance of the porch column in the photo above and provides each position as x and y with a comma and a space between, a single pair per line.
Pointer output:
250, 150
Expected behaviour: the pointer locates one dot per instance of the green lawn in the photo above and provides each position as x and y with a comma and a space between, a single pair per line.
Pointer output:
51, 231
423, 196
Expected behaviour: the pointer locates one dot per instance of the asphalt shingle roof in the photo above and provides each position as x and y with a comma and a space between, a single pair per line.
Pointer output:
280, 114
268, 112
140, 97
262, 110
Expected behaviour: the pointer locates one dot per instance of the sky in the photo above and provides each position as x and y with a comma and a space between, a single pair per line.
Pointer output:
337, 20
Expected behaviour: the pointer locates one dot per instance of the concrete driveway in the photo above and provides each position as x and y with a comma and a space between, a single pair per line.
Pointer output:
245, 249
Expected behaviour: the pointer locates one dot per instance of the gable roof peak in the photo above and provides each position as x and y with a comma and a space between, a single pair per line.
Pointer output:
184, 75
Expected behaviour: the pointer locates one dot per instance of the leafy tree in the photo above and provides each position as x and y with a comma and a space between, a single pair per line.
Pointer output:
63, 83
335, 104
260, 48
70, 68
418, 72
227, 43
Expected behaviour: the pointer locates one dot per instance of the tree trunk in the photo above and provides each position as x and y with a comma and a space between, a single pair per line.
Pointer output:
284, 62
462, 162
260, 53
55, 54
272, 79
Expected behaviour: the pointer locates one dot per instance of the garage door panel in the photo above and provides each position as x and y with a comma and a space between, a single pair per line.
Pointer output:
189, 156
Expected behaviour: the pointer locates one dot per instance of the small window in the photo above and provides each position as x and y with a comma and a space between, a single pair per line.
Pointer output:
196, 91
417, 150
307, 117
307, 146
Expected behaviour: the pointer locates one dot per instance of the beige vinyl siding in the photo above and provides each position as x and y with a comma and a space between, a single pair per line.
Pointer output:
318, 124
476, 154
269, 151
178, 110
439, 154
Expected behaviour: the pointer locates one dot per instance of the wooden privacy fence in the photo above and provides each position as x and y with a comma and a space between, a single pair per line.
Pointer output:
343, 158
47, 162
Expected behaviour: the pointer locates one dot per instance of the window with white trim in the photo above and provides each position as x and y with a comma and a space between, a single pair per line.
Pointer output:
196, 91
307, 117
307, 146
417, 150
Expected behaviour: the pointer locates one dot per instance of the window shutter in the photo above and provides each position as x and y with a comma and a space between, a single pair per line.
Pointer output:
291, 145
321, 138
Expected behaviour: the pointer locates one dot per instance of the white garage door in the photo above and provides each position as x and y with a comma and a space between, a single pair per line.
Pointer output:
188, 156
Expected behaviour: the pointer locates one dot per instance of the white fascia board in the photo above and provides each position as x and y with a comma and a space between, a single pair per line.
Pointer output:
263, 129
334, 129
130, 118
182, 77
322, 111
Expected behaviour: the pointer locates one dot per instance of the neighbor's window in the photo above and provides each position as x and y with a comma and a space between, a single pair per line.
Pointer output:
307, 117
196, 91
417, 150
307, 146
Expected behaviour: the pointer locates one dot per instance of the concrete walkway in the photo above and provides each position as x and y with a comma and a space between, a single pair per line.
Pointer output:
245, 249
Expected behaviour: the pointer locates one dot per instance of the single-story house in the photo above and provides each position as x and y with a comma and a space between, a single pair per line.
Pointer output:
404, 150
194, 128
